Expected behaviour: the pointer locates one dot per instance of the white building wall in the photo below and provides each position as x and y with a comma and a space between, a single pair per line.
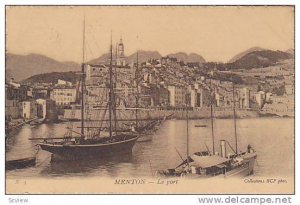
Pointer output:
260, 97
172, 95
63, 96
193, 95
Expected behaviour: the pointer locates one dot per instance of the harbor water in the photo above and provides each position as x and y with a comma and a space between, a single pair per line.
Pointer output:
272, 138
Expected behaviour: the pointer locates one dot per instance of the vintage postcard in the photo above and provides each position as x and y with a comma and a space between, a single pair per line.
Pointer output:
149, 100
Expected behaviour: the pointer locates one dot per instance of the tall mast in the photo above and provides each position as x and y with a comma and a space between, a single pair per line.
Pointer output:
211, 118
116, 63
234, 118
137, 88
110, 89
82, 81
187, 130
114, 96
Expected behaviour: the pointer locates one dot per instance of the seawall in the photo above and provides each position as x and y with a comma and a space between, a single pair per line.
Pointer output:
144, 114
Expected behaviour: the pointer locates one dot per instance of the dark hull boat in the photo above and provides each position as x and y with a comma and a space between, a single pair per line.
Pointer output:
20, 163
72, 150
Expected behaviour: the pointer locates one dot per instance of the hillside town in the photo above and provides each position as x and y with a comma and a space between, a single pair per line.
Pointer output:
161, 84
167, 97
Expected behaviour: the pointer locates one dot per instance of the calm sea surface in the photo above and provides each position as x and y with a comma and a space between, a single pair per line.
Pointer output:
272, 138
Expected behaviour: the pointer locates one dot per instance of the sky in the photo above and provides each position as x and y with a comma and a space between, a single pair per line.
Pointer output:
216, 33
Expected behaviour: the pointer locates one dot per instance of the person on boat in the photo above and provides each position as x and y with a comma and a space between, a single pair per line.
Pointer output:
250, 149
133, 127
187, 169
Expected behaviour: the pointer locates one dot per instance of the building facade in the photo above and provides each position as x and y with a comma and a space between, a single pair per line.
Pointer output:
12, 109
13, 92
46, 109
96, 74
244, 98
63, 95
177, 95
260, 98
28, 109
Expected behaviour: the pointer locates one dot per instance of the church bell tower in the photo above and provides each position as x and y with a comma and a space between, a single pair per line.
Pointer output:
120, 54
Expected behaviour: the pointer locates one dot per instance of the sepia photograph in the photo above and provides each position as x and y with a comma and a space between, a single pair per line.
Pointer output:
149, 99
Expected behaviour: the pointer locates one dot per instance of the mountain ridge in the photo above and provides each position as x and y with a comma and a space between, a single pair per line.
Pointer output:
245, 52
52, 77
258, 59
21, 67
187, 58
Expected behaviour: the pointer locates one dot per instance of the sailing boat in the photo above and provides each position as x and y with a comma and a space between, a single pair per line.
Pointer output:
205, 164
97, 145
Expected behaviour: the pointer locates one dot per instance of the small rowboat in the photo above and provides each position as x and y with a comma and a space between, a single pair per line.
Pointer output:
200, 125
20, 163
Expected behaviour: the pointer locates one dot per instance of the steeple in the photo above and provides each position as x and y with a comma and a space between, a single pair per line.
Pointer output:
120, 53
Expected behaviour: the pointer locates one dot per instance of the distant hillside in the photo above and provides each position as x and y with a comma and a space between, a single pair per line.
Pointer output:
8, 75
258, 59
21, 67
291, 51
103, 59
242, 54
53, 77
143, 56
193, 57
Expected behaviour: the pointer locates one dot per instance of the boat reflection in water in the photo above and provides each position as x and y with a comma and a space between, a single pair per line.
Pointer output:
86, 166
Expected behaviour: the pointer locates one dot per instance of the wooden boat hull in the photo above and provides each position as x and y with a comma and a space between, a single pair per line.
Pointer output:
245, 170
20, 163
81, 151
